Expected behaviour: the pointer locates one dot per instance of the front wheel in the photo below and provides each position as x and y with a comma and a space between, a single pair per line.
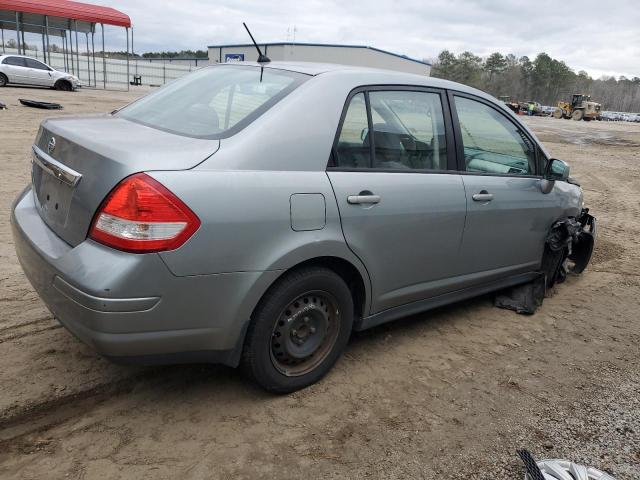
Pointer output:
299, 330
63, 86
3, 80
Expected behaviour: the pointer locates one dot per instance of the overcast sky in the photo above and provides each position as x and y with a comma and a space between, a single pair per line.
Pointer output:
601, 37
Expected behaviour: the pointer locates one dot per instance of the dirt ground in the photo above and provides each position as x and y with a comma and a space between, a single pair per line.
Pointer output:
446, 394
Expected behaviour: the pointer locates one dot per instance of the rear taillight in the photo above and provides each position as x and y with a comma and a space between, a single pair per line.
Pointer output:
141, 215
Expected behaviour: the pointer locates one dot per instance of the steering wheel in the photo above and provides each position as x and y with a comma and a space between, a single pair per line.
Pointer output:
408, 142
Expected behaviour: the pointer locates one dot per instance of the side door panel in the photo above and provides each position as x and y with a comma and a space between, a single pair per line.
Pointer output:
401, 201
409, 242
508, 215
38, 73
506, 235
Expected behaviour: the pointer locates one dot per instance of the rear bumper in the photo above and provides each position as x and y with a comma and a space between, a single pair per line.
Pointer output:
130, 306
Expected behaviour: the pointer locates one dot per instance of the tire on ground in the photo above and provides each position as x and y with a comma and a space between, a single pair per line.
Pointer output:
278, 319
577, 115
3, 80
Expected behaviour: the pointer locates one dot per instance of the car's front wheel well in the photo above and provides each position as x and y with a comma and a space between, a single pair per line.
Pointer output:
64, 85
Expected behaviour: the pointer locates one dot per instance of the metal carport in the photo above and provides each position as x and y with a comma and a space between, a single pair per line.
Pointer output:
66, 19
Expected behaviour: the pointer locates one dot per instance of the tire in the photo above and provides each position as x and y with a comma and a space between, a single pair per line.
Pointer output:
577, 115
298, 330
3, 80
558, 113
63, 86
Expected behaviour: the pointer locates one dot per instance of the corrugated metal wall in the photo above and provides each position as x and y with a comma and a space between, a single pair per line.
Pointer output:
364, 57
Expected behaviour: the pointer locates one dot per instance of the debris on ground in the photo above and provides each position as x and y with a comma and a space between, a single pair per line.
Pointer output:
39, 104
2, 106
523, 299
556, 469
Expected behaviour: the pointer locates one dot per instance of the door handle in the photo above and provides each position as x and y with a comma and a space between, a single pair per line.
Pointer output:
363, 199
483, 196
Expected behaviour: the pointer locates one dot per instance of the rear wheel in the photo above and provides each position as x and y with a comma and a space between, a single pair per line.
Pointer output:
3, 80
558, 113
62, 85
577, 115
299, 330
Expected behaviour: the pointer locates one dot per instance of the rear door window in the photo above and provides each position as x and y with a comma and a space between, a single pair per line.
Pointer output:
492, 143
15, 61
408, 130
353, 148
405, 129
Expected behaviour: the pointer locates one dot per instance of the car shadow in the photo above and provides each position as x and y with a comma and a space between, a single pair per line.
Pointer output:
185, 377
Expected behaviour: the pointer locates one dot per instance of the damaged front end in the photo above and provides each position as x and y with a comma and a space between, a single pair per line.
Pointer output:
568, 248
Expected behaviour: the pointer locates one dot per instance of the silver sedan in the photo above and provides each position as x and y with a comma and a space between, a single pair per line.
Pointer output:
257, 214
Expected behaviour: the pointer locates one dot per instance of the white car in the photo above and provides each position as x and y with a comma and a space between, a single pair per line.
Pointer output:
21, 70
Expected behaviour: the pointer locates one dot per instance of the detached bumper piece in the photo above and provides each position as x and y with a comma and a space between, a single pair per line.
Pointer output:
568, 248
38, 104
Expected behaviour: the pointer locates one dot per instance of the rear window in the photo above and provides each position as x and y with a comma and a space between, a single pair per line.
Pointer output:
214, 102
16, 61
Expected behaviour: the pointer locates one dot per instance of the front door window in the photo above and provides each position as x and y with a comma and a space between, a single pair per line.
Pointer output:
492, 143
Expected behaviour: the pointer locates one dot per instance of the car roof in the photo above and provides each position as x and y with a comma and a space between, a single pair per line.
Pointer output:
378, 75
362, 76
21, 56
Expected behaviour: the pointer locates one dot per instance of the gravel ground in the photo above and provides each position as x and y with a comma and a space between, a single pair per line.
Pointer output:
447, 394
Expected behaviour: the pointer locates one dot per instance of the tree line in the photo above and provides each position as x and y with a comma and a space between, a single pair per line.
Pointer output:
203, 54
543, 79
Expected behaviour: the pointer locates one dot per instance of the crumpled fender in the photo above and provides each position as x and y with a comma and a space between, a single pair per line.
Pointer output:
582, 247
572, 238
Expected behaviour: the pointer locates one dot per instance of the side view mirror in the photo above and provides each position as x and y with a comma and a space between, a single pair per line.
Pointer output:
557, 170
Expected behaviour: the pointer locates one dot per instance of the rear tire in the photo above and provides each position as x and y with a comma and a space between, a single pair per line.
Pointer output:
63, 86
298, 330
3, 80
558, 113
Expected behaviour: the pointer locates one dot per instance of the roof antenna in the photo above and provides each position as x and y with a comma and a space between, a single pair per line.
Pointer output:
261, 58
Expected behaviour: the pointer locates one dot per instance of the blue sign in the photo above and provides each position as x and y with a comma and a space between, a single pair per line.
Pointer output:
234, 57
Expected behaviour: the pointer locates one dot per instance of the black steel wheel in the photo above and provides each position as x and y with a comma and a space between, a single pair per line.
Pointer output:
305, 333
299, 330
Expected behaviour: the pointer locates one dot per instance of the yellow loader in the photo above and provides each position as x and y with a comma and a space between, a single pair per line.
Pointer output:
580, 108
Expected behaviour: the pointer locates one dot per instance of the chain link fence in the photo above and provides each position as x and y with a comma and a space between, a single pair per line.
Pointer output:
111, 73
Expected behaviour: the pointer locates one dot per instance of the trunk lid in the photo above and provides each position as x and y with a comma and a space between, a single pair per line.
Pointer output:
78, 160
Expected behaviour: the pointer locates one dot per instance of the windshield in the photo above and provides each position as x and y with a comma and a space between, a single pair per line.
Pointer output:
214, 102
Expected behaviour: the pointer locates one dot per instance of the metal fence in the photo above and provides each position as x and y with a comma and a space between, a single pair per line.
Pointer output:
90, 74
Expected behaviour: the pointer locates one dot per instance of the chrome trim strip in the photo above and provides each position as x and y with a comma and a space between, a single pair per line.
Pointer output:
55, 168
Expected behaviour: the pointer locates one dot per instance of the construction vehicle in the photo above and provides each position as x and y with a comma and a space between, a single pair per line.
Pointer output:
514, 106
580, 108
